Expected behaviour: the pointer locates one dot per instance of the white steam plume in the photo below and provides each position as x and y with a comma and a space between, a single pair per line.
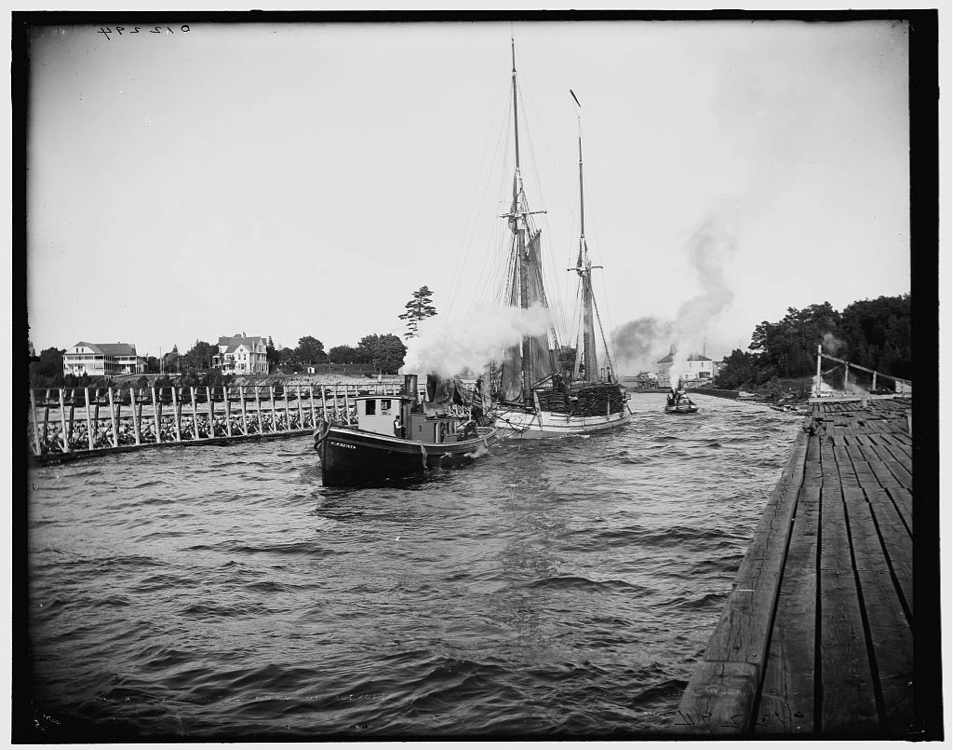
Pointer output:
640, 343
447, 347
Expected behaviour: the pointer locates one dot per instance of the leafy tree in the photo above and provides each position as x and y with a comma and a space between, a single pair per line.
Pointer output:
343, 355
384, 351
199, 357
309, 351
288, 360
47, 370
789, 347
878, 333
152, 364
170, 361
739, 368
419, 308
271, 355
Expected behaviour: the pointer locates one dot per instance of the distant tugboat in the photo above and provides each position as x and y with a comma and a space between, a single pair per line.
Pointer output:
677, 402
396, 437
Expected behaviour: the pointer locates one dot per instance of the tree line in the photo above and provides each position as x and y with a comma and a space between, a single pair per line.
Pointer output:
875, 334
375, 353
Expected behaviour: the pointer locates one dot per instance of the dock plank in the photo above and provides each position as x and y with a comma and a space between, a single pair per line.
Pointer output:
786, 704
833, 594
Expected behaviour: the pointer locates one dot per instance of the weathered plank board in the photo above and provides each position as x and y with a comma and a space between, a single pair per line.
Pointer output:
786, 704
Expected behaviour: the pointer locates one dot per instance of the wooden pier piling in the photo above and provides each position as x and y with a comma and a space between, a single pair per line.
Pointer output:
56, 436
816, 638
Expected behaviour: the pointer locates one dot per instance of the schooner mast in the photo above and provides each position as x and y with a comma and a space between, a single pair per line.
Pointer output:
530, 361
586, 365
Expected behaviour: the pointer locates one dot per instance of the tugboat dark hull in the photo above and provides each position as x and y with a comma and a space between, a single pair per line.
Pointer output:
681, 409
351, 457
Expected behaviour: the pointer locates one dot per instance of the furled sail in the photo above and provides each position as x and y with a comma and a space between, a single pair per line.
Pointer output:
540, 356
511, 376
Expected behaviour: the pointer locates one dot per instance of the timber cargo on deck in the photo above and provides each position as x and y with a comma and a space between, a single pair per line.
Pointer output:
816, 638
396, 437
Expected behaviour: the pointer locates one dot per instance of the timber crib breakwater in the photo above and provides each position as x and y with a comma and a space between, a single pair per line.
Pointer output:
70, 423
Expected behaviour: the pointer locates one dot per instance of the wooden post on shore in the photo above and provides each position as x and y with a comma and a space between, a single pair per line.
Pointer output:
274, 414
228, 411
817, 379
211, 411
241, 395
258, 406
347, 407
314, 416
300, 412
36, 424
846, 374
112, 418
324, 405
195, 417
63, 422
284, 392
873, 386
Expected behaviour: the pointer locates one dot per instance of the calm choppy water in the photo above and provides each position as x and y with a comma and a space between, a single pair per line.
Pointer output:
554, 588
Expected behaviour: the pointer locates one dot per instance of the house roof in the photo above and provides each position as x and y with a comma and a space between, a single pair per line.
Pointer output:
110, 350
670, 357
231, 343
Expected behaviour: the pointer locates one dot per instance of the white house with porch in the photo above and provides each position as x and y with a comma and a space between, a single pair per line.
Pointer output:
102, 360
241, 355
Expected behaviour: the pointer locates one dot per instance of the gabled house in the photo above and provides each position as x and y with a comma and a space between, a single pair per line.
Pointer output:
694, 367
241, 355
102, 360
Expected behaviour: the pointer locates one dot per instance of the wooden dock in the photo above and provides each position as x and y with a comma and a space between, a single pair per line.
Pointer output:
817, 636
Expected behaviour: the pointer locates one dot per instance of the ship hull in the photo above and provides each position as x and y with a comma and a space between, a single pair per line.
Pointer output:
540, 424
352, 457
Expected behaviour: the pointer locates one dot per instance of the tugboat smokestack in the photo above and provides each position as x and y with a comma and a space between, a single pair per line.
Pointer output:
410, 387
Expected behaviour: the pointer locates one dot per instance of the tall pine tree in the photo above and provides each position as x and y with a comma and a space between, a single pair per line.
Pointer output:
418, 309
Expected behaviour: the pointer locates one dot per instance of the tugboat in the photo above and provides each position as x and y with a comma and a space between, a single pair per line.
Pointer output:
677, 402
395, 437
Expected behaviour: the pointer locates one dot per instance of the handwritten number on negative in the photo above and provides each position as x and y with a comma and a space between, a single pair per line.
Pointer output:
106, 30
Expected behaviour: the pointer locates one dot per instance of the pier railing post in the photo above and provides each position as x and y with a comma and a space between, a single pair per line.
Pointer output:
228, 409
258, 407
274, 413
300, 412
65, 436
133, 405
37, 450
112, 418
89, 421
241, 395
284, 392
156, 415
817, 378
177, 408
314, 417
211, 411
195, 417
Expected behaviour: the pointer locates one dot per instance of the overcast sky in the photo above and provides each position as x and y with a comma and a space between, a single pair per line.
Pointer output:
305, 179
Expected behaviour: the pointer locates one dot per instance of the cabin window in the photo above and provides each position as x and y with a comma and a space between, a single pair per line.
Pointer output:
370, 406
385, 406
